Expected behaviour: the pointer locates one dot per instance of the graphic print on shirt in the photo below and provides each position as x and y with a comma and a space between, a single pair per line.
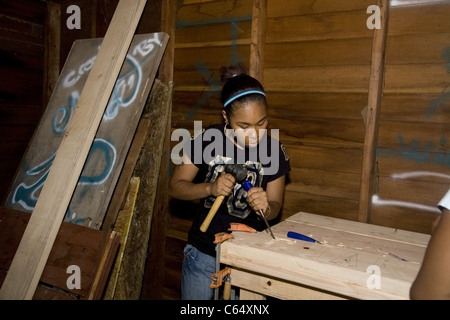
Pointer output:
236, 203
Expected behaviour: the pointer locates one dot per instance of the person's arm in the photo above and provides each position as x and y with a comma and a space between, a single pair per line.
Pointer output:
433, 280
181, 186
269, 201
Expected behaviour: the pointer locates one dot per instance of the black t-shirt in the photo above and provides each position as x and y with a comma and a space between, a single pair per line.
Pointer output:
210, 151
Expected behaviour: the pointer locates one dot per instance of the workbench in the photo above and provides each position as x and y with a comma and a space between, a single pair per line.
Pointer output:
353, 260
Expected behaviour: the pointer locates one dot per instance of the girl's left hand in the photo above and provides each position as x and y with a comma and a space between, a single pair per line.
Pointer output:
257, 199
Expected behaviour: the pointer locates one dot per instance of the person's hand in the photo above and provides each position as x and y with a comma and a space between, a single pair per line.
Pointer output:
223, 185
257, 199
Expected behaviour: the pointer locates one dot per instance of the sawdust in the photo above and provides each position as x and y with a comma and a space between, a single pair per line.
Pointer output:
272, 241
286, 240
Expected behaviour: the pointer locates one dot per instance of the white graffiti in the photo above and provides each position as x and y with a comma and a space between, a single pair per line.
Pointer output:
74, 76
125, 90
147, 46
407, 175
415, 174
379, 202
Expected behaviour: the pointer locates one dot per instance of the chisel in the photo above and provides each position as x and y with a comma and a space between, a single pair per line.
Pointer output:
248, 186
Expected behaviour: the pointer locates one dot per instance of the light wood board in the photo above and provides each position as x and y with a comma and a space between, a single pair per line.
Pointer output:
342, 265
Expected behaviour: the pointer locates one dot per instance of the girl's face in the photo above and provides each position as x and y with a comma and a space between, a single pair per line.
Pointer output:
246, 121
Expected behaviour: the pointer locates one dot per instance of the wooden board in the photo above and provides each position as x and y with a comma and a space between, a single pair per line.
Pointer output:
91, 250
107, 155
338, 266
122, 227
148, 169
37, 241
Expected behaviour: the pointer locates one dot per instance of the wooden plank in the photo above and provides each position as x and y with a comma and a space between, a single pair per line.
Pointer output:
51, 48
104, 267
318, 204
324, 182
74, 245
220, 9
122, 227
282, 8
168, 18
147, 168
346, 78
322, 26
367, 230
343, 159
54, 199
258, 39
332, 52
118, 199
339, 265
91, 197
373, 111
277, 288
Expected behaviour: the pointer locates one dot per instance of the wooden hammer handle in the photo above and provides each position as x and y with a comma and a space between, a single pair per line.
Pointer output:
211, 213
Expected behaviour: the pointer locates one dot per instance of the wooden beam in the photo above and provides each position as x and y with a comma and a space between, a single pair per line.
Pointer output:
376, 83
258, 38
52, 46
37, 241
168, 18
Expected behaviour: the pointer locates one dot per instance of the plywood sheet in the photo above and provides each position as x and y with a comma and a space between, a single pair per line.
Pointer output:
102, 169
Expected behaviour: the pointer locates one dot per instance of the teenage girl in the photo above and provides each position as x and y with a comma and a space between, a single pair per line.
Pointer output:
244, 135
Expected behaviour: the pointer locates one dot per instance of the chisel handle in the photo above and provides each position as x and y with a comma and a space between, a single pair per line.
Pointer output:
211, 213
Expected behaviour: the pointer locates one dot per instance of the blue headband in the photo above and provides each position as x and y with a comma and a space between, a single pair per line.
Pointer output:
242, 94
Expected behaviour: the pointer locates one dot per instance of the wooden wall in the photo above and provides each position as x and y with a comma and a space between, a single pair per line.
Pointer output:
413, 151
316, 67
21, 73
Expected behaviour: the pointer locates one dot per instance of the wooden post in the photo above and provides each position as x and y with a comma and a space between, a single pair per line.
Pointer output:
37, 241
258, 36
376, 83
52, 44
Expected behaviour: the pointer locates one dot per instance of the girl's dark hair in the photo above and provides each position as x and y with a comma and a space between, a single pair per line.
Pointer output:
237, 81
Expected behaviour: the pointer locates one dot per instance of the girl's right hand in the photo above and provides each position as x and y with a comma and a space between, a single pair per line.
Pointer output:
223, 185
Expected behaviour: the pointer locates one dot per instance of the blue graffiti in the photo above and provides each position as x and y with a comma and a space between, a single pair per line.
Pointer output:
63, 115
439, 101
110, 155
131, 79
27, 195
202, 68
422, 153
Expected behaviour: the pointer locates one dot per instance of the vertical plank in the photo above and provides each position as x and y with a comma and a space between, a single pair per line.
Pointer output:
52, 49
258, 36
37, 241
154, 273
376, 83
168, 17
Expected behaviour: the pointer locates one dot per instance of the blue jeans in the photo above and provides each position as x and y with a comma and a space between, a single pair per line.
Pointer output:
196, 275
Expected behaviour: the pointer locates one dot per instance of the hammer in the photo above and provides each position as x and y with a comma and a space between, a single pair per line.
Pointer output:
240, 174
